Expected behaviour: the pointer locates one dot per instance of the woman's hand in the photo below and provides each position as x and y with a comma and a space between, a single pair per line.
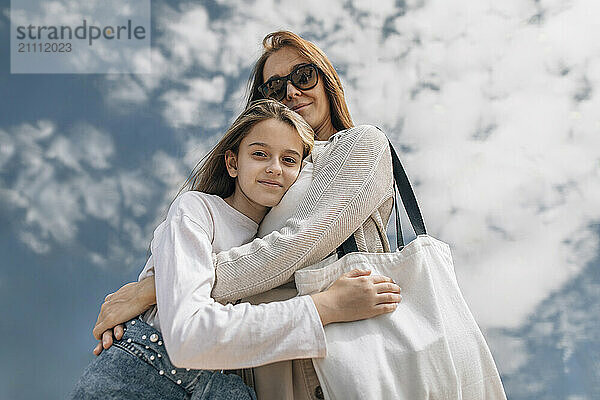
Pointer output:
129, 301
357, 295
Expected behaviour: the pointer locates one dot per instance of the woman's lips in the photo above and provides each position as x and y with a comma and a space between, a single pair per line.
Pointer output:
300, 107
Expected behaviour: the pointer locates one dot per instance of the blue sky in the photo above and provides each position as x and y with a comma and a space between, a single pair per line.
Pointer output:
493, 106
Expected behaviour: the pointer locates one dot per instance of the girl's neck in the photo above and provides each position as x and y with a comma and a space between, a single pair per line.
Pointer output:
249, 208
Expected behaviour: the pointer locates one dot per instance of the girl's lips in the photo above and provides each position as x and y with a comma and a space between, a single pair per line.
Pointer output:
271, 184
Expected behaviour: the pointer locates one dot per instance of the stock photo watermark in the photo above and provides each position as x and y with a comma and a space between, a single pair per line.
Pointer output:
64, 36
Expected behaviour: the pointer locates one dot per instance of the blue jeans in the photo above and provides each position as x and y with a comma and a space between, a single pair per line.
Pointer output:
138, 367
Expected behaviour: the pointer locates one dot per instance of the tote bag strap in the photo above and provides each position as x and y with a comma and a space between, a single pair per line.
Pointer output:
401, 185
407, 195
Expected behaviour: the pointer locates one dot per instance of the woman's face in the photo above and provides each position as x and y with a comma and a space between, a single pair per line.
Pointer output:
267, 163
312, 104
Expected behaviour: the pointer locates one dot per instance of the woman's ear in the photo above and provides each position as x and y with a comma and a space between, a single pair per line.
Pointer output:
231, 163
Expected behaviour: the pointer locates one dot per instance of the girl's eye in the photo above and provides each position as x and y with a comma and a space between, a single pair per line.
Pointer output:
289, 160
259, 154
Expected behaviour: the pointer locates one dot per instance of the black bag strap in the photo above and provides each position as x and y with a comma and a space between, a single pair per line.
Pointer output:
407, 195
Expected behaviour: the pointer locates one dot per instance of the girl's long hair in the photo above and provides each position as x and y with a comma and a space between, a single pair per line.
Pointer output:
340, 116
210, 174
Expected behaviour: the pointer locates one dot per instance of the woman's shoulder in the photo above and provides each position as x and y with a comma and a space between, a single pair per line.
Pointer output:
357, 139
368, 133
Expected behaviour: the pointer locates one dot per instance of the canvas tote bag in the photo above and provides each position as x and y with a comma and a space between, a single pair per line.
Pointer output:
430, 347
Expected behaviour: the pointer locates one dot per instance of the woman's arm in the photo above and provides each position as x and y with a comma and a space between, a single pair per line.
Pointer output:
353, 177
129, 301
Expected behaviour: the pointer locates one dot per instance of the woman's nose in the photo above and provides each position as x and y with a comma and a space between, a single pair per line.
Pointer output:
291, 91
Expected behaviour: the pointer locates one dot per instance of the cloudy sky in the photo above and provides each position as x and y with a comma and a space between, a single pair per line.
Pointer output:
491, 105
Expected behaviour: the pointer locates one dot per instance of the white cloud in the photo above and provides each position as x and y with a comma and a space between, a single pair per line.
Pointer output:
95, 147
137, 192
64, 179
135, 234
86, 144
101, 198
188, 37
124, 93
513, 158
168, 169
510, 353
33, 242
7, 150
193, 106
98, 259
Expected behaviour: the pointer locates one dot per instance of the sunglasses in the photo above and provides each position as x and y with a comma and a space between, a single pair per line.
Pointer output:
303, 77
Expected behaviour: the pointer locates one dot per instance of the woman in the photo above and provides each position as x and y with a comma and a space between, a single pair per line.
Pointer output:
246, 174
351, 193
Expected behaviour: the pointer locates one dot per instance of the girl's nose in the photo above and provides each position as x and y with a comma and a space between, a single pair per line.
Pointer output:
291, 91
274, 168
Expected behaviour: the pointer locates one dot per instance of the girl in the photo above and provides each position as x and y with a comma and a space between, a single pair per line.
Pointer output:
248, 172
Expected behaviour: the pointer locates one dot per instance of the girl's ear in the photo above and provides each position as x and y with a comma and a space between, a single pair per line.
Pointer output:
231, 163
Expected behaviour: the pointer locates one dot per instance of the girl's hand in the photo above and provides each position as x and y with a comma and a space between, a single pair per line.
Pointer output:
357, 295
129, 301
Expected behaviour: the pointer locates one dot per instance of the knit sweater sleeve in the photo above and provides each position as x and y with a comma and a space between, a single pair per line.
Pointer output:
352, 178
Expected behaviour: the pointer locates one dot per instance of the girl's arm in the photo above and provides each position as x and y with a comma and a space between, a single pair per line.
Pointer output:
353, 177
203, 334
352, 297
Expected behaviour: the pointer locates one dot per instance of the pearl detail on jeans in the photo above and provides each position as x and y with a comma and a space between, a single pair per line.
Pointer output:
179, 381
144, 337
151, 358
132, 322
153, 338
159, 356
161, 372
160, 343
173, 371
129, 340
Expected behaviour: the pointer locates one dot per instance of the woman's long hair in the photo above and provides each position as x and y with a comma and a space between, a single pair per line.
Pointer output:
340, 116
210, 174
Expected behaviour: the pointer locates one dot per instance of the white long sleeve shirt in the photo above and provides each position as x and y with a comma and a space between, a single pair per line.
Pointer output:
200, 333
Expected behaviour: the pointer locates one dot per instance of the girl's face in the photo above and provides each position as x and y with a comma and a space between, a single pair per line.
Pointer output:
312, 104
267, 163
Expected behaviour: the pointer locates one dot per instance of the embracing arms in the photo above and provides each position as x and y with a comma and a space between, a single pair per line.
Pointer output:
203, 334
353, 177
